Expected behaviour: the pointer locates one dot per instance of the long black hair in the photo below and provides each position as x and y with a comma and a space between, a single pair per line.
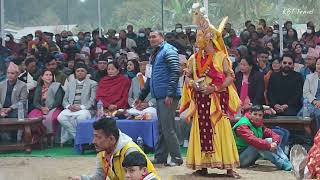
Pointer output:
250, 61
135, 64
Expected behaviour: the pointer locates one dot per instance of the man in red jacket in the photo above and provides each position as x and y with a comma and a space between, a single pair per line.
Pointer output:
254, 140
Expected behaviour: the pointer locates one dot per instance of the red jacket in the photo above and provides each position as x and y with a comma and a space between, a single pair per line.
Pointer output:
244, 132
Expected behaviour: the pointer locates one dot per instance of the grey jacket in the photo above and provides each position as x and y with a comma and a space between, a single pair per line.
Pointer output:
19, 93
310, 86
54, 96
134, 92
88, 94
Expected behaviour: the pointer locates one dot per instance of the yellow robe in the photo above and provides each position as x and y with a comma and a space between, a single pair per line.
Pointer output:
225, 154
116, 172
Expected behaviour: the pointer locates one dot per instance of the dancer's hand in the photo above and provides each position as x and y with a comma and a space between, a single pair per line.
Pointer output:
209, 89
195, 86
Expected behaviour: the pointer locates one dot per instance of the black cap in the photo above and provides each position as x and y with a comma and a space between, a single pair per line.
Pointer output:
80, 65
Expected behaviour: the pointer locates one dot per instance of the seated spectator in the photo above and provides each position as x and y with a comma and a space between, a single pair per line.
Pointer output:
254, 140
30, 64
171, 38
310, 62
135, 165
112, 146
142, 42
268, 37
131, 34
298, 60
122, 60
52, 65
98, 48
263, 61
113, 46
311, 92
181, 37
12, 45
290, 37
132, 67
249, 83
12, 91
72, 77
275, 67
4, 54
226, 38
79, 98
102, 67
137, 84
285, 88
47, 101
70, 67
38, 43
125, 42
310, 38
235, 40
113, 89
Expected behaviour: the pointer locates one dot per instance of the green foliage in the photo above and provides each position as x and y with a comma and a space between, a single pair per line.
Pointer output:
147, 13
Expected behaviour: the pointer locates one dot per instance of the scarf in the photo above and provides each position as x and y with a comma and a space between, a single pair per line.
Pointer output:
141, 80
113, 90
131, 74
244, 89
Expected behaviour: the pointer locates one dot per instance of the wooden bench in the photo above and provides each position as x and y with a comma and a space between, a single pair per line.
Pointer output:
12, 124
291, 123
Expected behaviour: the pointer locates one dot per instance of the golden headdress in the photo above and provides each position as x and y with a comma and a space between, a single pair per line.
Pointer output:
206, 32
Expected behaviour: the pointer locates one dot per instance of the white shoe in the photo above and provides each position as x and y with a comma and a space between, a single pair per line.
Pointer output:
298, 159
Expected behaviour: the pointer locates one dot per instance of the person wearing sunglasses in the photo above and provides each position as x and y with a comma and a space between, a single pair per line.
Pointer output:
285, 88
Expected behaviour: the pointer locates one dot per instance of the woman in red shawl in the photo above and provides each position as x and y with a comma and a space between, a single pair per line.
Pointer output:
113, 89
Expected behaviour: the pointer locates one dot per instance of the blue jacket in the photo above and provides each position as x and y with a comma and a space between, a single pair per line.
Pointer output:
165, 74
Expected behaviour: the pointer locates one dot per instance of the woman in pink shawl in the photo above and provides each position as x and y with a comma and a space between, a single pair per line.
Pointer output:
47, 100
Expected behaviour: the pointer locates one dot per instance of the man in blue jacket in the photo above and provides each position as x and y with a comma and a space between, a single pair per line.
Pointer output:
163, 76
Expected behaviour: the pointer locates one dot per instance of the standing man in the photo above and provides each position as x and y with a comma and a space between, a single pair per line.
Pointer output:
163, 76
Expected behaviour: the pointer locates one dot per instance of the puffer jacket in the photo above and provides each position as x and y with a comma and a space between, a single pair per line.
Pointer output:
165, 74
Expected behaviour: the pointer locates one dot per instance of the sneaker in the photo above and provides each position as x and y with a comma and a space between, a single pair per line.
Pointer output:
287, 166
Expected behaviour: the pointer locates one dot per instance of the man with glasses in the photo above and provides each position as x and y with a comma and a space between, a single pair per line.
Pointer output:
285, 88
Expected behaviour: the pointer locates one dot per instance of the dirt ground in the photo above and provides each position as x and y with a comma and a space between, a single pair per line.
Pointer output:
33, 168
